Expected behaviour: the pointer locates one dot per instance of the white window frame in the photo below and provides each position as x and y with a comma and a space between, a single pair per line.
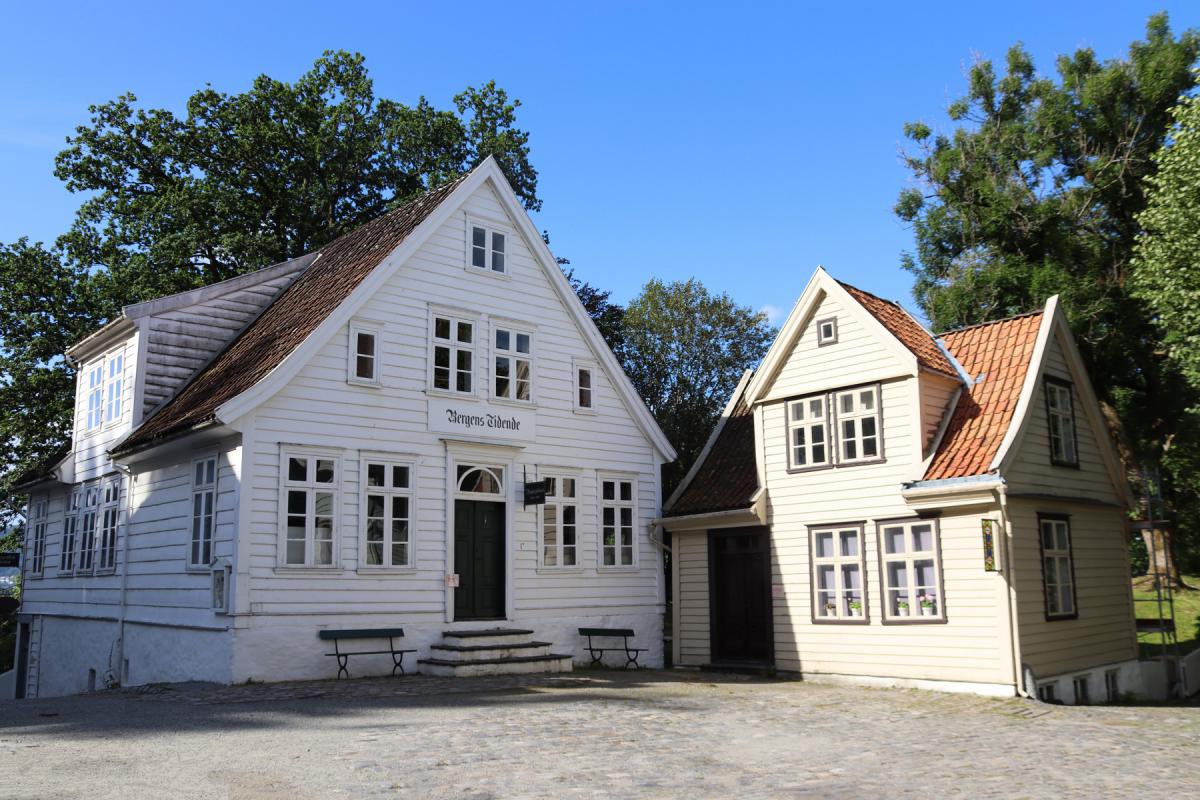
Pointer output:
577, 387
353, 355
1048, 692
558, 500
618, 505
512, 357
114, 387
858, 417
94, 395
70, 534
38, 514
1112, 685
109, 526
1060, 423
912, 592
807, 424
87, 533
823, 338
389, 492
1084, 682
454, 347
204, 492
1063, 558
310, 488
843, 595
490, 230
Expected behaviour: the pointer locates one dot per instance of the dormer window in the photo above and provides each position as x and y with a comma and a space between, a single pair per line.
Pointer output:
114, 382
105, 389
1060, 418
487, 250
826, 331
363, 366
95, 395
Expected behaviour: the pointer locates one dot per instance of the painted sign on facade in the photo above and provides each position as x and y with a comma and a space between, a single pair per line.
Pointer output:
481, 420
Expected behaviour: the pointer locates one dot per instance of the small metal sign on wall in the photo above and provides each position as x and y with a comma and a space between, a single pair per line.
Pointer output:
535, 491
990, 563
10, 559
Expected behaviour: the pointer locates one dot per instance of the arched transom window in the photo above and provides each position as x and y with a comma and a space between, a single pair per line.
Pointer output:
480, 480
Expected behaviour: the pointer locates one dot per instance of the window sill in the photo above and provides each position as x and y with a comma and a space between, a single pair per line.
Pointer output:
1068, 464
863, 620
504, 401
364, 382
386, 570
1061, 617
500, 276
587, 412
299, 570
562, 570
817, 468
449, 395
915, 620
105, 572
866, 462
634, 568
196, 569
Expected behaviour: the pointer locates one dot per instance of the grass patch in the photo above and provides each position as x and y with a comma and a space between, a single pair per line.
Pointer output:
1187, 616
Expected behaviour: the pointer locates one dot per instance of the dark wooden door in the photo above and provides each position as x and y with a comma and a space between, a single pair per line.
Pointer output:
739, 585
479, 559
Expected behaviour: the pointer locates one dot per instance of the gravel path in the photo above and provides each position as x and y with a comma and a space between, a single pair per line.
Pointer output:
586, 735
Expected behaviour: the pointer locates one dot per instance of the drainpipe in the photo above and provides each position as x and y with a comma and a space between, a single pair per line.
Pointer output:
1014, 634
119, 678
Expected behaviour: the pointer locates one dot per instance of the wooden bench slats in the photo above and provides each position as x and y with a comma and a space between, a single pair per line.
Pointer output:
361, 633
631, 653
606, 632
343, 658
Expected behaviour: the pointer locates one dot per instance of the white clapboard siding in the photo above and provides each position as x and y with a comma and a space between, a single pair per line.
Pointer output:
936, 394
91, 445
319, 408
860, 355
1104, 630
690, 551
179, 341
1031, 470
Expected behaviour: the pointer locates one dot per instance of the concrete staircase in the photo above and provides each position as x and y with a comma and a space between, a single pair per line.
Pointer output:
493, 651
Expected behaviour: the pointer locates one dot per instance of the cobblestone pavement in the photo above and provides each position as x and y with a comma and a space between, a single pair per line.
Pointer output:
586, 735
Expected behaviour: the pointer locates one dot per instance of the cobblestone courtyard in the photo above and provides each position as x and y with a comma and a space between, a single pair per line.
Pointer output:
590, 734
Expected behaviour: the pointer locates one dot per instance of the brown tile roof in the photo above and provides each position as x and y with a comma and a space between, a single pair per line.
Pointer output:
339, 268
728, 477
910, 332
1000, 352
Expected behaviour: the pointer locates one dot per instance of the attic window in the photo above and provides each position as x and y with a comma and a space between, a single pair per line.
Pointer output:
487, 249
826, 331
363, 366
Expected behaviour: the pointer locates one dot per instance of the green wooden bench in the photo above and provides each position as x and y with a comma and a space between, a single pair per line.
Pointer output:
339, 636
624, 634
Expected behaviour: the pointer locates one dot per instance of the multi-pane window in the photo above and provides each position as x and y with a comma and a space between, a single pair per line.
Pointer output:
37, 543
110, 521
95, 395
310, 484
808, 442
363, 365
204, 501
66, 557
1083, 694
1112, 685
453, 354
114, 381
560, 516
514, 365
1057, 570
617, 506
387, 506
584, 389
911, 570
487, 249
85, 559
858, 424
838, 573
1060, 412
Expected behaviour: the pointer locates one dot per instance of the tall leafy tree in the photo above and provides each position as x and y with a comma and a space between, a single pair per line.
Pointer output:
685, 349
1037, 191
240, 181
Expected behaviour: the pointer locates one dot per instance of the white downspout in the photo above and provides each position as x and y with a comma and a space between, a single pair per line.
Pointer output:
120, 676
1014, 634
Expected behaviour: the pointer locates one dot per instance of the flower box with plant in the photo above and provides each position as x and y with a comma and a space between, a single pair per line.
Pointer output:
856, 608
928, 605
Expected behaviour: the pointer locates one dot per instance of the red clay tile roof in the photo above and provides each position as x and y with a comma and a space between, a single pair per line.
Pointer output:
1001, 352
728, 478
339, 268
910, 332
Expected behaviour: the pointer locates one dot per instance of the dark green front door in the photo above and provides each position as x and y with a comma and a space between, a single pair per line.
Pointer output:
479, 559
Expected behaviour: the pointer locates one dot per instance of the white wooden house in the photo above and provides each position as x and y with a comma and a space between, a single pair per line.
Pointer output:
342, 441
881, 506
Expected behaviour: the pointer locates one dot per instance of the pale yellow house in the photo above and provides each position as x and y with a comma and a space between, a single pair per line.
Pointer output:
884, 507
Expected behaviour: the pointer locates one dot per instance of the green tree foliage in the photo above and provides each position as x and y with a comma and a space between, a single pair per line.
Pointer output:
685, 350
1167, 259
1036, 192
239, 182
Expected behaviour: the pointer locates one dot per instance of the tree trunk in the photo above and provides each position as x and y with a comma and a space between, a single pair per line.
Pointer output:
1161, 558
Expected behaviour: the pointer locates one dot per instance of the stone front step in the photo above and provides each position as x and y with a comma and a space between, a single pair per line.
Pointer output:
475, 652
511, 665
489, 636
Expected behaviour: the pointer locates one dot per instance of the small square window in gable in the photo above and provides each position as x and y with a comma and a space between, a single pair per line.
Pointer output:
827, 331
487, 248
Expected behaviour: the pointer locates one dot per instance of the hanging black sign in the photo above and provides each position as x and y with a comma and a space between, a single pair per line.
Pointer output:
14, 559
535, 493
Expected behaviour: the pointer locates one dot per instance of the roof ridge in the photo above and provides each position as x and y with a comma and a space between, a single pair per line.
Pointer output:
1012, 318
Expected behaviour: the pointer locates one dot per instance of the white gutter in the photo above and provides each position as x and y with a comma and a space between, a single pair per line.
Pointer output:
119, 678
1014, 628
670, 522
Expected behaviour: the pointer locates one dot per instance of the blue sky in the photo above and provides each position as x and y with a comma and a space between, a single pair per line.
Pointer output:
743, 144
